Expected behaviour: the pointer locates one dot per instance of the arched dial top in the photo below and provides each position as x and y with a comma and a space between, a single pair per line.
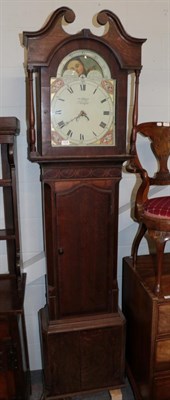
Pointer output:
84, 62
83, 101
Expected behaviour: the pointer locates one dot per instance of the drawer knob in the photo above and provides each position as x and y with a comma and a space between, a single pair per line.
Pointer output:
60, 251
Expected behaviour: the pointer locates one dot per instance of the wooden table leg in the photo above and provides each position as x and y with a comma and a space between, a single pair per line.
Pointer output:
116, 394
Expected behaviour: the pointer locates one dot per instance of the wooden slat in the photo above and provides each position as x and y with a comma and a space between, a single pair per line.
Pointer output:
5, 182
7, 234
9, 126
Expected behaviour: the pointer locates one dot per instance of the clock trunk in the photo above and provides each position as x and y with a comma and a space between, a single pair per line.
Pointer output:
80, 229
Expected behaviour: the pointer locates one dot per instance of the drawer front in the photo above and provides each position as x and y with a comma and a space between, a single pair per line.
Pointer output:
161, 388
7, 385
13, 370
4, 328
164, 319
162, 355
7, 374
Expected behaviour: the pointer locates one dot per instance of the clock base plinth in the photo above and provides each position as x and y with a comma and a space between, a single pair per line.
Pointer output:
82, 355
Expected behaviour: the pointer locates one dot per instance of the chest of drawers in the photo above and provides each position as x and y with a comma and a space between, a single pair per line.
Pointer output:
14, 373
148, 328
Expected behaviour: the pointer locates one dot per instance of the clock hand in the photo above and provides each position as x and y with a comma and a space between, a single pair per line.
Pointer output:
68, 122
83, 114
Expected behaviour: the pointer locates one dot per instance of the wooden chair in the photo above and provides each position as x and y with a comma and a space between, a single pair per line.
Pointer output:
153, 214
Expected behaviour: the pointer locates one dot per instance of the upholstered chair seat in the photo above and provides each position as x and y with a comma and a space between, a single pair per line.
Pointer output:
152, 214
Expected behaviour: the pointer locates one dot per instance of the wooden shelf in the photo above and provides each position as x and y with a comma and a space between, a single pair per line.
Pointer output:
7, 234
5, 182
13, 344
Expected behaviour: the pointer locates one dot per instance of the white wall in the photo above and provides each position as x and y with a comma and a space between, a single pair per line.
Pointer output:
140, 18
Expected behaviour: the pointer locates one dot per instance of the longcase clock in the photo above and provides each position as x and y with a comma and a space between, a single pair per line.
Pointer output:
77, 134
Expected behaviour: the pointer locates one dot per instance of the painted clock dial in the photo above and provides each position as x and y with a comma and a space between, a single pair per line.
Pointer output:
83, 102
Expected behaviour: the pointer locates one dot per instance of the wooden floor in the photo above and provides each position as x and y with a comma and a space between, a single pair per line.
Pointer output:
36, 378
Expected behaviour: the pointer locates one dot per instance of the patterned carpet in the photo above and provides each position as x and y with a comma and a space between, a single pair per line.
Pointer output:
36, 378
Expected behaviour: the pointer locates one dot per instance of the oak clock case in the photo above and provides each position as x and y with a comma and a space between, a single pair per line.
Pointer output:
77, 134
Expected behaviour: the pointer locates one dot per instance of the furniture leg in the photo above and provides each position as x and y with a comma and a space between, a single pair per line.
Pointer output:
139, 235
